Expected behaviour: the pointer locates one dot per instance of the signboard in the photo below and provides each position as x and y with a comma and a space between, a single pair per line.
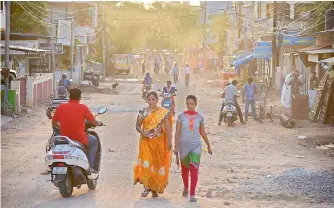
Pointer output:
22, 43
64, 32
58, 47
292, 38
262, 49
11, 99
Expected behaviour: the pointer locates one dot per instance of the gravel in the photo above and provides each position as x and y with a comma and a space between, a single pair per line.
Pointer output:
317, 186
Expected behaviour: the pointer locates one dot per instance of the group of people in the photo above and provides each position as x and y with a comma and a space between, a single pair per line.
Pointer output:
230, 96
175, 72
155, 146
186, 71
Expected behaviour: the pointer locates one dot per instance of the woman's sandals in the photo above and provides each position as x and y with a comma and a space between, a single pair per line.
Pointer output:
146, 192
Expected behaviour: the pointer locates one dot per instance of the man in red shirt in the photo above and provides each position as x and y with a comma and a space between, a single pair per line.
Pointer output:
72, 117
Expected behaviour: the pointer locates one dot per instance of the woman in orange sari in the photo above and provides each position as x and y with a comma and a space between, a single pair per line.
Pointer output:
153, 161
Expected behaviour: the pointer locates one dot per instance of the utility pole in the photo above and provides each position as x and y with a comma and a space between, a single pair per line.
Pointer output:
6, 69
274, 49
204, 25
239, 22
72, 42
103, 42
53, 60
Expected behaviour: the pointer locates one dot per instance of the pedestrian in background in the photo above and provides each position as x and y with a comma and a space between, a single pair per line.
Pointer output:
188, 145
143, 67
250, 89
314, 81
187, 72
175, 72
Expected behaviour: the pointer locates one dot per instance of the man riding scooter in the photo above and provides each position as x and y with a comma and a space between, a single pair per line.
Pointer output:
70, 119
169, 90
147, 84
55, 102
231, 96
168, 94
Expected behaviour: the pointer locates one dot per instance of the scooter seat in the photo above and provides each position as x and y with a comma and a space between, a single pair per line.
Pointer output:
80, 146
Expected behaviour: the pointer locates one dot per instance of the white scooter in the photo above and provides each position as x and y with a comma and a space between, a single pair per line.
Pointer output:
69, 164
229, 113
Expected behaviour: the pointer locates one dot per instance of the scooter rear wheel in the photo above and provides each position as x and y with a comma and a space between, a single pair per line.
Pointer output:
92, 184
66, 186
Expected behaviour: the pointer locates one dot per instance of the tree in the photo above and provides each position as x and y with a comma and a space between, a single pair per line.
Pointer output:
219, 26
28, 17
162, 25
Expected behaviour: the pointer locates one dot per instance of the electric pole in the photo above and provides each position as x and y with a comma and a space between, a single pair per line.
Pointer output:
274, 49
53, 60
204, 25
239, 22
103, 42
72, 43
6, 69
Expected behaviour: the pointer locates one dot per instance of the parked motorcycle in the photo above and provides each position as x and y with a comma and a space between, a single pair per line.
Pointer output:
147, 89
69, 163
229, 114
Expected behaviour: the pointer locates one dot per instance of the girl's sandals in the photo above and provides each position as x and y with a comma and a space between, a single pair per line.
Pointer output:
193, 199
185, 193
146, 192
154, 194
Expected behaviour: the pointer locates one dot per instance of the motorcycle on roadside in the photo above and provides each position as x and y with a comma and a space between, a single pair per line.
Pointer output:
229, 114
69, 163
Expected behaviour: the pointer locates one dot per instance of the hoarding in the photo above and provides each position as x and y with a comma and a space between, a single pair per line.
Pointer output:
58, 47
262, 49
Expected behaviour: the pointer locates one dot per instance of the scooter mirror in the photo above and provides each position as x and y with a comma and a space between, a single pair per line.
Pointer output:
102, 110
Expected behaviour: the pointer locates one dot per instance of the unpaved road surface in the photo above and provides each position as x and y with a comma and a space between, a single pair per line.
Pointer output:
253, 165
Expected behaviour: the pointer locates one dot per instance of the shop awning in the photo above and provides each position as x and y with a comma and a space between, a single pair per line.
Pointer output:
25, 49
314, 47
319, 51
242, 60
329, 60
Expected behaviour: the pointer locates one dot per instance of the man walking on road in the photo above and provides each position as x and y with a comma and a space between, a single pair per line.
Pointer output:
175, 72
187, 72
250, 89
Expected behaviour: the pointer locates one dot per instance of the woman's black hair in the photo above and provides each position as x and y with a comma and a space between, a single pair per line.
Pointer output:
192, 97
154, 94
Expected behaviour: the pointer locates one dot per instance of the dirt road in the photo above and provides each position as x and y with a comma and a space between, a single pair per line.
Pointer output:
245, 157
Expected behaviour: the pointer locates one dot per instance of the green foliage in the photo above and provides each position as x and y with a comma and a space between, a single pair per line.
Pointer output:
219, 26
162, 25
23, 22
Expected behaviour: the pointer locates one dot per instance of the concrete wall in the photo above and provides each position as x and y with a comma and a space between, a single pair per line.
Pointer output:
15, 85
39, 89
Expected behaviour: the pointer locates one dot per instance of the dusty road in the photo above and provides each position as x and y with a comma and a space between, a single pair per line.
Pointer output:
238, 174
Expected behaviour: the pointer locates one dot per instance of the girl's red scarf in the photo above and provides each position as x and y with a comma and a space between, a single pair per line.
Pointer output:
191, 120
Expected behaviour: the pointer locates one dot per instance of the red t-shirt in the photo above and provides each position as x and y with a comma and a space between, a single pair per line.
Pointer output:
72, 116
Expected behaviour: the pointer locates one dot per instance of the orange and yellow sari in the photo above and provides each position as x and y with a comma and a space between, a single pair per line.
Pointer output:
153, 161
